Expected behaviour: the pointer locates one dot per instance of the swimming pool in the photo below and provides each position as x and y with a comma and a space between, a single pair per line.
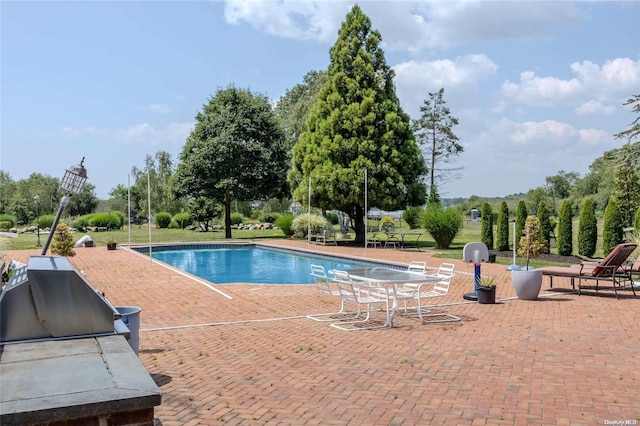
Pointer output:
250, 264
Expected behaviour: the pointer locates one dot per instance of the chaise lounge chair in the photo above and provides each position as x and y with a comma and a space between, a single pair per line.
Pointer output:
608, 269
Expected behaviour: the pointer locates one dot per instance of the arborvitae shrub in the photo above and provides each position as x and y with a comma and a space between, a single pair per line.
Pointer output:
587, 229
545, 223
163, 219
503, 227
62, 242
521, 217
412, 216
486, 226
284, 224
565, 232
612, 228
442, 224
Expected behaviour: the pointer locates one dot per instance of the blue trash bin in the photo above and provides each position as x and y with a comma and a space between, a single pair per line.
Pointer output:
131, 318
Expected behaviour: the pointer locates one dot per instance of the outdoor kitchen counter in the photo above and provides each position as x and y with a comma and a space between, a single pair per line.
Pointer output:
79, 381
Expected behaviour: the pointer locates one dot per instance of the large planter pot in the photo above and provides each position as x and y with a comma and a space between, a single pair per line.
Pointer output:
527, 283
486, 295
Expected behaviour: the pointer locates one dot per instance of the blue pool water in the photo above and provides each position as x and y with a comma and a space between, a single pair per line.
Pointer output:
251, 265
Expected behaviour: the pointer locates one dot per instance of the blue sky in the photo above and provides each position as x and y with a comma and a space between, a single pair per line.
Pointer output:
538, 87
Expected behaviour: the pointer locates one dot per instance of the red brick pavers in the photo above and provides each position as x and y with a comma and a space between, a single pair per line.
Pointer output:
255, 359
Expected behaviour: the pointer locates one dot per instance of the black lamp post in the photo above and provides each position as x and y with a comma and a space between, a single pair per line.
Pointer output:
72, 183
37, 200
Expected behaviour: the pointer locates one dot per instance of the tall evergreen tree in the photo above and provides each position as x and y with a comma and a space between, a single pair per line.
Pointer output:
627, 182
357, 124
587, 229
612, 231
634, 130
486, 225
545, 223
521, 218
565, 231
503, 227
434, 132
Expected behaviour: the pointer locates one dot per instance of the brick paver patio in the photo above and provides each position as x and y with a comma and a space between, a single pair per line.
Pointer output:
253, 358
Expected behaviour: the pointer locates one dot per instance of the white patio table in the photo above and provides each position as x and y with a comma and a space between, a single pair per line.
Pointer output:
389, 278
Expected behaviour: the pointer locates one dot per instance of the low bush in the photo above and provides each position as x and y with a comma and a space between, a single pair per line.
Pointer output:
183, 219
332, 218
284, 223
5, 225
269, 217
82, 222
442, 224
9, 218
301, 223
237, 218
412, 216
46, 220
105, 220
174, 225
120, 217
163, 219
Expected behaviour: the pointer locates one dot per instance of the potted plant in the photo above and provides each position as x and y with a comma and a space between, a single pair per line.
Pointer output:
527, 281
486, 290
111, 243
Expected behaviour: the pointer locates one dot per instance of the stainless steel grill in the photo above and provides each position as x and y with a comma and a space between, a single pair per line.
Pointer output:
49, 299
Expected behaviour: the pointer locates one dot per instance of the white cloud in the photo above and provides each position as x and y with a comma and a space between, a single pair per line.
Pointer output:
415, 79
612, 81
410, 25
595, 108
77, 132
174, 133
160, 108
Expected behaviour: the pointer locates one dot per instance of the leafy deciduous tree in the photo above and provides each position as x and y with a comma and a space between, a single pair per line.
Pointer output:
237, 151
357, 124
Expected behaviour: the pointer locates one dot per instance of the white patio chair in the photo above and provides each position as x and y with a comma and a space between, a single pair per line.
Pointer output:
417, 266
429, 290
326, 287
361, 294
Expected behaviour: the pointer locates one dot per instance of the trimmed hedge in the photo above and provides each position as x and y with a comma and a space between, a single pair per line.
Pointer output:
46, 220
182, 219
237, 218
163, 219
271, 217
105, 220
9, 218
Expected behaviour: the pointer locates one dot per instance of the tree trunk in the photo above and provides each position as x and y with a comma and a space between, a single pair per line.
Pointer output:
359, 226
227, 215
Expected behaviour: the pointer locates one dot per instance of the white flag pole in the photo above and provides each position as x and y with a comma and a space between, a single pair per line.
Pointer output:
129, 206
149, 213
309, 215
